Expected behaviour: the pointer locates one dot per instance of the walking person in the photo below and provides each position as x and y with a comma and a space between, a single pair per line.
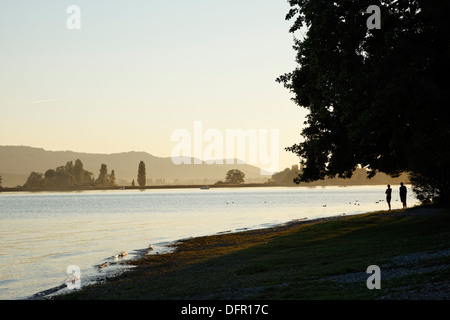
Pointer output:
403, 194
388, 196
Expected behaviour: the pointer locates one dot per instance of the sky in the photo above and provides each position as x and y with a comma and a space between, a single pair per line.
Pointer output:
138, 71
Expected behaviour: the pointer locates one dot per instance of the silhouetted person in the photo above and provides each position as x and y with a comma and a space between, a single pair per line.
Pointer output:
403, 194
388, 195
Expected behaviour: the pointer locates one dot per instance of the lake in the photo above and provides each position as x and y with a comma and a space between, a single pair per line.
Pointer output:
41, 234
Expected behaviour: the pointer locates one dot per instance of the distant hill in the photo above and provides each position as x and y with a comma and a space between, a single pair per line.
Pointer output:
17, 162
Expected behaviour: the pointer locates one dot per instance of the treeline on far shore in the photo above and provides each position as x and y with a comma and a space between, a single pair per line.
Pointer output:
69, 176
72, 176
163, 186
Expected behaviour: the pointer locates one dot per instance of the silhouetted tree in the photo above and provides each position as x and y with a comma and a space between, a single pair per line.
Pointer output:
112, 179
102, 178
234, 176
63, 177
78, 173
34, 180
50, 174
50, 177
379, 97
88, 178
141, 178
69, 167
287, 176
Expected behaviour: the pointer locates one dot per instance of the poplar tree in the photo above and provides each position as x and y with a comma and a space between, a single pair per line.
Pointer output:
141, 178
78, 173
112, 178
102, 178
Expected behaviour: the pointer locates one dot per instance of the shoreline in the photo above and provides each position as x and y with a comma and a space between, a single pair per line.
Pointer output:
187, 186
265, 263
168, 186
176, 245
190, 251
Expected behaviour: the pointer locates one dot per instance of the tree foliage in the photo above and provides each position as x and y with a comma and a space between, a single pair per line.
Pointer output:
142, 177
78, 173
235, 176
70, 175
34, 180
376, 98
102, 178
287, 176
112, 178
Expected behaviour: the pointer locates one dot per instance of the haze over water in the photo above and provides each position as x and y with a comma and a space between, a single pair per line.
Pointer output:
41, 234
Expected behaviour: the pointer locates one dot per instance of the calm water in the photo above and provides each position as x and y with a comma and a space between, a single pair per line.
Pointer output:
41, 234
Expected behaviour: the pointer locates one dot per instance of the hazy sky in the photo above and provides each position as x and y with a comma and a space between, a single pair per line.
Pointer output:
138, 70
